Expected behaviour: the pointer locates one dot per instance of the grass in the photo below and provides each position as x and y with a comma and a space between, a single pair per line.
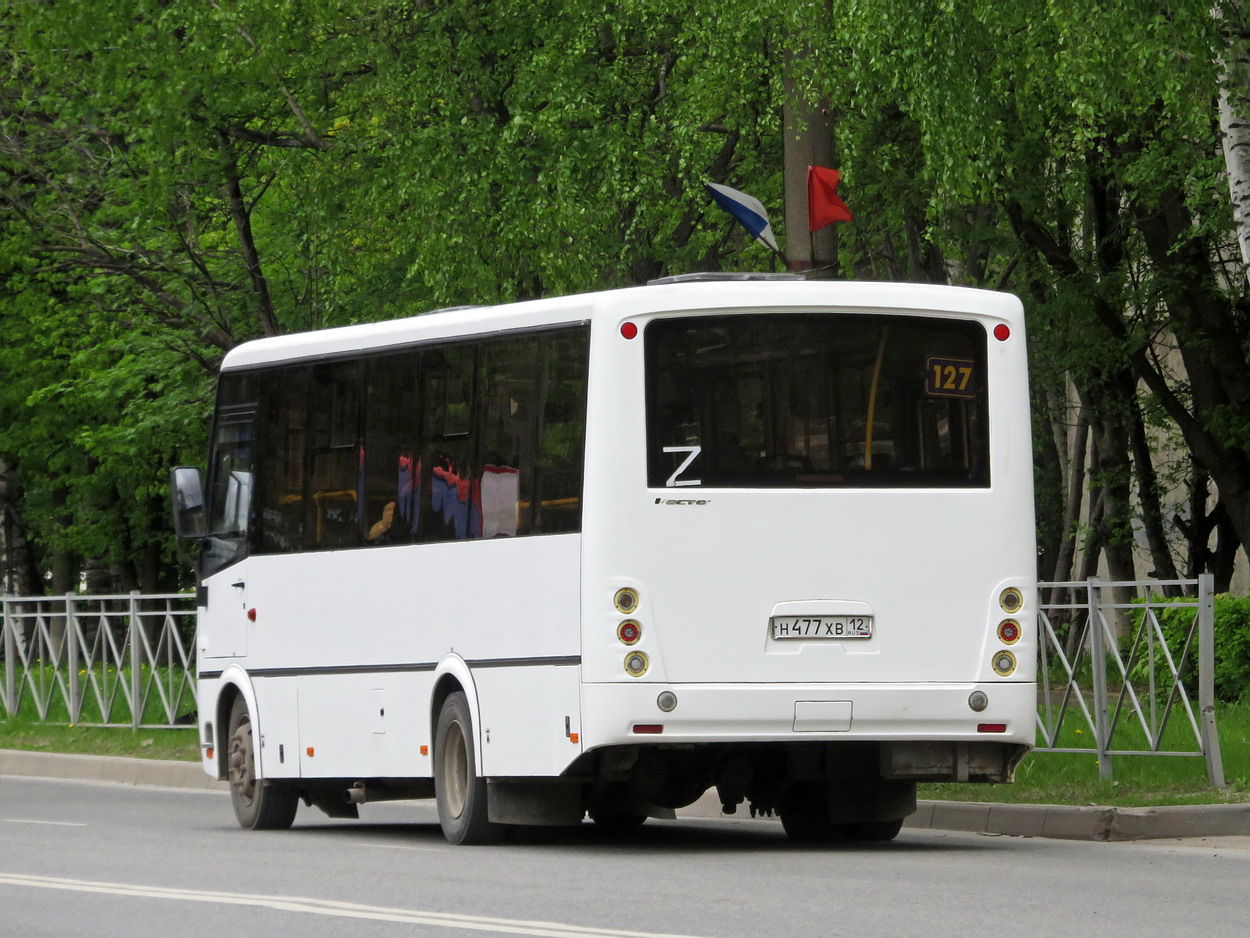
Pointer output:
100, 695
21, 732
1138, 781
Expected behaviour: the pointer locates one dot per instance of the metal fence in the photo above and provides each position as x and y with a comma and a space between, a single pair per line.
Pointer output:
1116, 665
1125, 670
101, 660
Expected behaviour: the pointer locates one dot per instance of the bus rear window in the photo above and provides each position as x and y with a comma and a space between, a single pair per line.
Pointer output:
816, 400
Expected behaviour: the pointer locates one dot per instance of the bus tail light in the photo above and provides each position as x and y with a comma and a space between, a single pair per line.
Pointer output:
625, 600
991, 727
629, 632
1009, 631
636, 663
649, 728
1004, 663
1011, 599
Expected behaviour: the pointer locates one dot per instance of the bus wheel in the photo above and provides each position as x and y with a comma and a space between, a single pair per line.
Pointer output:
805, 817
460, 793
257, 805
874, 831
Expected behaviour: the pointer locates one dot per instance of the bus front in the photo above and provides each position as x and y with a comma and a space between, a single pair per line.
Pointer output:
808, 559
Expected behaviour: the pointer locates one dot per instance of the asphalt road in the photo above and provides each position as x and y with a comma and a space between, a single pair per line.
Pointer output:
89, 858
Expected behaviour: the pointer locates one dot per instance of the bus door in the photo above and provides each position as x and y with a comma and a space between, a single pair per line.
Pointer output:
224, 560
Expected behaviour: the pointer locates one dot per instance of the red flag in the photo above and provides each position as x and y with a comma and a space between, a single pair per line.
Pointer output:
823, 205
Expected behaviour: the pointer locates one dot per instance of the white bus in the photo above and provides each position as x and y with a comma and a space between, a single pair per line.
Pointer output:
602, 554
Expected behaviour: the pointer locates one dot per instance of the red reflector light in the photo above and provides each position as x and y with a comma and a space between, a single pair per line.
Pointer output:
991, 727
629, 330
648, 727
1001, 332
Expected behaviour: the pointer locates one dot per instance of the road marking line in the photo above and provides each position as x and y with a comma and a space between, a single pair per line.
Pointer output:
23, 820
376, 846
329, 907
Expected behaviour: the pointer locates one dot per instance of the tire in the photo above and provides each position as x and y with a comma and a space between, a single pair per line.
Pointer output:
805, 817
258, 805
458, 790
874, 831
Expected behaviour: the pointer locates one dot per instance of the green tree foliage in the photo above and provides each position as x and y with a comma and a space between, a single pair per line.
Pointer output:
180, 176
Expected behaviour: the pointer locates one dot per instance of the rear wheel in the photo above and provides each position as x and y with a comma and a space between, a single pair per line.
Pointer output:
459, 792
805, 817
258, 805
874, 831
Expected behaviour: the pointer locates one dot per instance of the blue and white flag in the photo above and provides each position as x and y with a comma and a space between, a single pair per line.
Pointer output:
747, 209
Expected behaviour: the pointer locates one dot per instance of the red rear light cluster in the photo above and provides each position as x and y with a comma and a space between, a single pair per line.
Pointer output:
1011, 601
629, 631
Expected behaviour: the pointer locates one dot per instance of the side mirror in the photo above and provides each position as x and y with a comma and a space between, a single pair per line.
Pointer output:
188, 497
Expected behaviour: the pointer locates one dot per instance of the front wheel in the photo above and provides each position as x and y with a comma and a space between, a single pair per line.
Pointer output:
258, 805
459, 792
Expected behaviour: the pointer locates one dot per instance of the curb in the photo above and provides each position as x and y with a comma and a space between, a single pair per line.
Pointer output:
163, 773
1064, 822
1059, 822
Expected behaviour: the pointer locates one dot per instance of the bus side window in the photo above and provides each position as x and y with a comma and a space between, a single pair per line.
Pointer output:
561, 432
507, 392
392, 465
282, 438
334, 511
448, 509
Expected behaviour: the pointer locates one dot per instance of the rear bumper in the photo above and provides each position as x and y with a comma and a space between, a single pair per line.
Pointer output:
719, 713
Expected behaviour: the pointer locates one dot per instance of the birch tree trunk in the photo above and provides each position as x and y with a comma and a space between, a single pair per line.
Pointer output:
1235, 117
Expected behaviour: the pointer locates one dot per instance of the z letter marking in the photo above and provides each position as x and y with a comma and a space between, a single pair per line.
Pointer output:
694, 452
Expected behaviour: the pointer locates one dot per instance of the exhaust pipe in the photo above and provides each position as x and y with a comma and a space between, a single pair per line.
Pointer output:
356, 795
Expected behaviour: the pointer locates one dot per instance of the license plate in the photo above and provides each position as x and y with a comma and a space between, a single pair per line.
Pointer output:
812, 627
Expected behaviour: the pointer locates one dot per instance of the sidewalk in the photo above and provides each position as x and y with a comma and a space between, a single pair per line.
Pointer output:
1065, 822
